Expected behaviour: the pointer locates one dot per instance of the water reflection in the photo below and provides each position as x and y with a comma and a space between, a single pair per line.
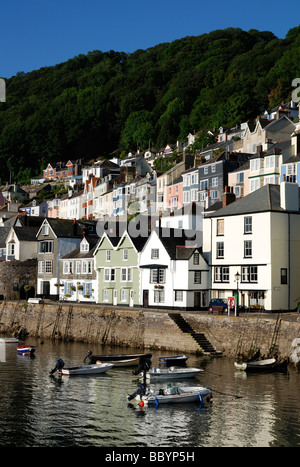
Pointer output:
39, 410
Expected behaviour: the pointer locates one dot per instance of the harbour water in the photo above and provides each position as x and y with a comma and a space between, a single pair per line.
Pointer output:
38, 410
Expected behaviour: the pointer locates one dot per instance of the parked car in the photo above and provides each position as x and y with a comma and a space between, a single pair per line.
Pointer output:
218, 305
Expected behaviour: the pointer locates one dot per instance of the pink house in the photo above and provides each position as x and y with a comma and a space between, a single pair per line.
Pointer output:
174, 195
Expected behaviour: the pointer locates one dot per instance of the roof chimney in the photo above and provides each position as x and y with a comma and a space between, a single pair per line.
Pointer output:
289, 194
228, 197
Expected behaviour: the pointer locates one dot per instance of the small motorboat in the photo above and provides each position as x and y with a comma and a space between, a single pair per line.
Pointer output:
26, 350
121, 363
158, 374
170, 361
171, 395
113, 358
96, 369
259, 365
9, 340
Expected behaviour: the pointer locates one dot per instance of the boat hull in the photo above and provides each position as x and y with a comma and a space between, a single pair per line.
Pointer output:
112, 358
172, 373
86, 369
260, 365
179, 396
26, 349
122, 363
169, 361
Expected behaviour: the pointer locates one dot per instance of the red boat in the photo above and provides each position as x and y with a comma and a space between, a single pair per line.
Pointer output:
26, 349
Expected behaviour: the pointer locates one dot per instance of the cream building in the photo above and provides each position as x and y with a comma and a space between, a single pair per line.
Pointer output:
258, 237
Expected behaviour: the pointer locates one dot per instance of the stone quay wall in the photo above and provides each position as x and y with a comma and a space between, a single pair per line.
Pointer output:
144, 329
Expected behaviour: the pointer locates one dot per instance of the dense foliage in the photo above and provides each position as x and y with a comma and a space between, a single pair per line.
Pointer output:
97, 103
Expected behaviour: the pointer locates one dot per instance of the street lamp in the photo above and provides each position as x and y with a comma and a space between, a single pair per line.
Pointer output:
237, 278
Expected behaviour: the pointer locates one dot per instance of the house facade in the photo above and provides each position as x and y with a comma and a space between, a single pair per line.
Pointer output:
256, 237
56, 238
77, 275
117, 266
174, 274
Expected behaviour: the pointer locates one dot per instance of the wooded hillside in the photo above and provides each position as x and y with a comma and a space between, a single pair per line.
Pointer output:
94, 104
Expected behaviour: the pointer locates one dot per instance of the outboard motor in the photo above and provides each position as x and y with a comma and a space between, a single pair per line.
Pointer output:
58, 366
145, 364
88, 355
140, 391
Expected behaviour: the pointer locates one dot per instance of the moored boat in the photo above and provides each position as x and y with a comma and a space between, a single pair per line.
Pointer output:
26, 349
259, 365
121, 363
172, 395
96, 369
173, 360
118, 357
158, 374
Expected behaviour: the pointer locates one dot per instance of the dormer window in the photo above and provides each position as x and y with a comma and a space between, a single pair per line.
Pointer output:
84, 246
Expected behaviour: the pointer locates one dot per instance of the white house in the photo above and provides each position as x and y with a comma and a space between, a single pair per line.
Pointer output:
174, 273
257, 237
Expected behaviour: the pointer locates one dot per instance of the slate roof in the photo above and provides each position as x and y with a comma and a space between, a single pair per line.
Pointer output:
26, 234
264, 199
65, 228
4, 231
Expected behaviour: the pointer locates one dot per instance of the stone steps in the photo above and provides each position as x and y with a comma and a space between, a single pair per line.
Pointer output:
200, 338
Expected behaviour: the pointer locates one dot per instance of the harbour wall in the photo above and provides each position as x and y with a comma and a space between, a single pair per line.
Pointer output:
145, 329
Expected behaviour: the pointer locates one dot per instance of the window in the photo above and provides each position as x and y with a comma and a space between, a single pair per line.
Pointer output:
248, 248
154, 253
125, 254
105, 295
178, 295
240, 177
78, 267
214, 181
106, 274
48, 267
159, 296
220, 227
45, 230
221, 274
248, 225
124, 295
107, 255
157, 276
197, 277
109, 274
84, 246
84, 267
46, 246
126, 274
196, 258
203, 185
249, 274
283, 276
41, 267
220, 249
11, 249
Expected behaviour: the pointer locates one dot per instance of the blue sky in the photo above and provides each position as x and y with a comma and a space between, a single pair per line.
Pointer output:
37, 33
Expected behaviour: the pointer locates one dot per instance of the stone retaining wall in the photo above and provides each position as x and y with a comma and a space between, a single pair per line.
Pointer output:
144, 329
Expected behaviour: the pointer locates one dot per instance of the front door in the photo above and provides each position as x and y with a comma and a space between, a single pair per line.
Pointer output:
131, 297
145, 298
115, 297
46, 289
196, 299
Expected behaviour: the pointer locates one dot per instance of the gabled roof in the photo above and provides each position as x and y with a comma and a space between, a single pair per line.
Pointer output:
26, 234
63, 228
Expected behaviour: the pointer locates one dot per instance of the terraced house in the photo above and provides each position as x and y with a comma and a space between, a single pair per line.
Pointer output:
118, 275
